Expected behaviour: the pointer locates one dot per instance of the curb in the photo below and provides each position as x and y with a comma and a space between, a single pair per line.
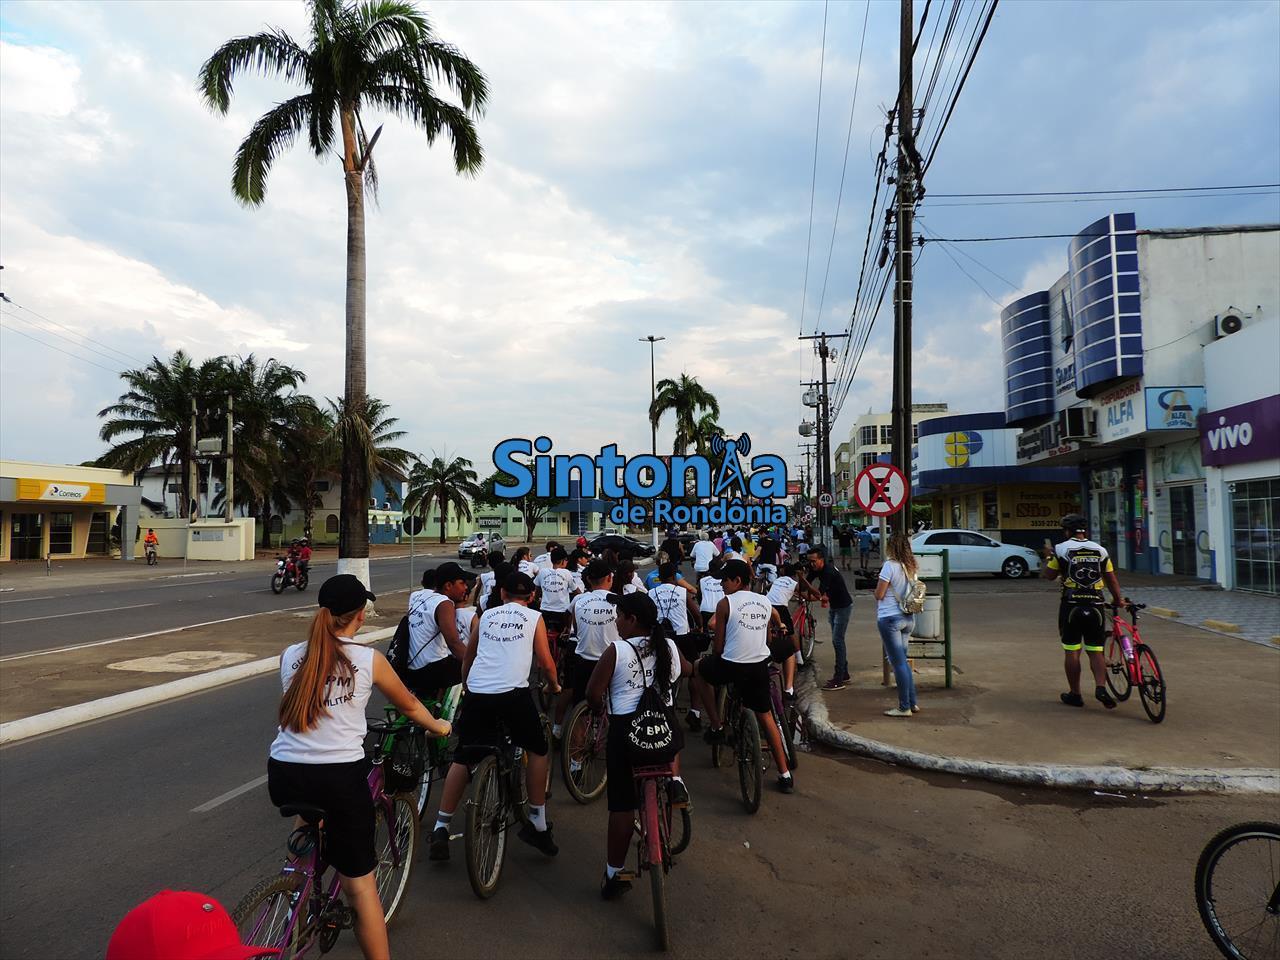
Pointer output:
1149, 779
79, 713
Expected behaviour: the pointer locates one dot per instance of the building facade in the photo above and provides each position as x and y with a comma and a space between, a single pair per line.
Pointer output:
56, 512
1106, 372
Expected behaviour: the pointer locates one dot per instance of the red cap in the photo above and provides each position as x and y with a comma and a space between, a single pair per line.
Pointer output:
182, 925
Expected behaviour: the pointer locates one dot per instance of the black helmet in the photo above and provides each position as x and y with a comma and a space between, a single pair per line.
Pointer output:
1075, 523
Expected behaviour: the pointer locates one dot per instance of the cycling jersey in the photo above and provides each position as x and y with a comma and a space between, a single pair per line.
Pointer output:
504, 651
746, 632
1083, 565
426, 641
597, 623
672, 604
338, 736
556, 584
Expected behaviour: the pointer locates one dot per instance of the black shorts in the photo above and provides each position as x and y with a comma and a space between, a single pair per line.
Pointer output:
1082, 625
427, 682
706, 619
577, 674
483, 717
784, 612
556, 620
692, 645
751, 680
342, 791
617, 763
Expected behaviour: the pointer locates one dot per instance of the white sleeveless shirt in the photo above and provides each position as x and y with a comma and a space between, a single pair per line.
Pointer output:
712, 593
672, 605
338, 736
504, 653
746, 631
596, 620
426, 642
463, 617
626, 685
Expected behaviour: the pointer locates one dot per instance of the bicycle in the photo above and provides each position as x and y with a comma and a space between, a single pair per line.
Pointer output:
499, 798
1237, 890
1132, 663
742, 738
300, 907
404, 738
582, 752
804, 626
654, 850
786, 715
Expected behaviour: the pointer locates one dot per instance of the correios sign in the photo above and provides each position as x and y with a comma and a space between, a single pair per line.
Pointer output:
60, 492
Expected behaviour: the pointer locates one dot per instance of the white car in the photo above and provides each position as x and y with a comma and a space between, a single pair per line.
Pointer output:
480, 543
970, 552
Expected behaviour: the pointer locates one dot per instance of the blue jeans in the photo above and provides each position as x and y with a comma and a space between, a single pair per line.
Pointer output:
894, 634
839, 620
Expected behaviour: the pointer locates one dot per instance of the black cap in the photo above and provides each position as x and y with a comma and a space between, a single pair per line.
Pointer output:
518, 585
736, 570
450, 571
597, 570
343, 594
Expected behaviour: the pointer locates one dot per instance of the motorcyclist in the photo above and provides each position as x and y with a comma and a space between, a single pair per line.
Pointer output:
304, 557
150, 543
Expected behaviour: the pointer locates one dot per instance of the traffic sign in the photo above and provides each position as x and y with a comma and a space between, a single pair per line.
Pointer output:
825, 500
880, 489
412, 524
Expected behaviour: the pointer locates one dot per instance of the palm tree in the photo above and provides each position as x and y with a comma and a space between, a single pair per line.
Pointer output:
708, 426
371, 434
684, 398
443, 483
360, 56
312, 452
154, 417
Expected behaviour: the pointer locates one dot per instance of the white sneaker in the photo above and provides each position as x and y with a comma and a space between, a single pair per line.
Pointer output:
897, 712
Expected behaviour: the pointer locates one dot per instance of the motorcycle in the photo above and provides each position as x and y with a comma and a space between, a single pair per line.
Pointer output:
288, 574
152, 557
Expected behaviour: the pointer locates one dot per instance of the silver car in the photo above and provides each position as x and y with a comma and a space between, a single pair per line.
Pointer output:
970, 552
480, 543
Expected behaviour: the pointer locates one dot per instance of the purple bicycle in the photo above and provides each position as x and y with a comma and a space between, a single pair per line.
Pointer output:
301, 907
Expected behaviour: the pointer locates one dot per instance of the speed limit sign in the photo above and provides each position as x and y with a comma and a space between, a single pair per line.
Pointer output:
825, 500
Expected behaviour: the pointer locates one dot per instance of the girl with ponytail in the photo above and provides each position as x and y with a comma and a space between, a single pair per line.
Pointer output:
643, 657
317, 758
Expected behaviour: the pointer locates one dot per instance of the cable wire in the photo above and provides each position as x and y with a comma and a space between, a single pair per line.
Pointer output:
119, 353
1081, 193
813, 181
54, 347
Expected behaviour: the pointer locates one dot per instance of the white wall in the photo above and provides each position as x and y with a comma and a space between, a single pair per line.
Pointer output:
1246, 365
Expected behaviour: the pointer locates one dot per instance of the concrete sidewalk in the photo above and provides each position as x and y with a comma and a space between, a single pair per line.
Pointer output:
1223, 694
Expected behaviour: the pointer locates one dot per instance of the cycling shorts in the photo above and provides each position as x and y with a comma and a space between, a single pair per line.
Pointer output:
342, 791
482, 718
751, 680
577, 674
1082, 625
428, 682
692, 645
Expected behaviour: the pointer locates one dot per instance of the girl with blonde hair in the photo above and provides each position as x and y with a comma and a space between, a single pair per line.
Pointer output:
895, 624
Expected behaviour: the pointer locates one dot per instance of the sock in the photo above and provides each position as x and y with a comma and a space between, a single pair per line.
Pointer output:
610, 871
555, 729
791, 689
678, 779
694, 713
538, 817
787, 775
443, 820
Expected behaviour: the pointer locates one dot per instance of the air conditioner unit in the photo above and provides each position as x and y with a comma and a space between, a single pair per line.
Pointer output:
1077, 423
1230, 321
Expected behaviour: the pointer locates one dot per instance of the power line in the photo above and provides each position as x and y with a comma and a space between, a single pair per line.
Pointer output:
937, 138
1023, 236
120, 353
960, 267
813, 180
55, 333
59, 349
1080, 193
844, 166
1100, 199
964, 253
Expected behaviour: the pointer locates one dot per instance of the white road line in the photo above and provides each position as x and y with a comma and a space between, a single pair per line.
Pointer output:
78, 613
222, 798
143, 636
26, 599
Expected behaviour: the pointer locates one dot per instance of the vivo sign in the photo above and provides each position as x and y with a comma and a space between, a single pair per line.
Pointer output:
1241, 434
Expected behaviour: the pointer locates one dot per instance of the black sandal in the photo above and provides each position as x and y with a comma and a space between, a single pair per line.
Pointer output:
1072, 699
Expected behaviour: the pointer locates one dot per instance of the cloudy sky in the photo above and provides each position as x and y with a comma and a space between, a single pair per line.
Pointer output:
648, 171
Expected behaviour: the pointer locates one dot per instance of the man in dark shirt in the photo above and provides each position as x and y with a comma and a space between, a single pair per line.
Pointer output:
845, 535
829, 582
673, 548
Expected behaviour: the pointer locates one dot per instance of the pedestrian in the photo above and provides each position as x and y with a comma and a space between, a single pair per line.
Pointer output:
846, 536
864, 547
829, 583
894, 623
702, 553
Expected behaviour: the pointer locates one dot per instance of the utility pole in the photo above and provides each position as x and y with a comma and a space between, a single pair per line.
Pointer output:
229, 452
902, 290
193, 472
824, 436
653, 388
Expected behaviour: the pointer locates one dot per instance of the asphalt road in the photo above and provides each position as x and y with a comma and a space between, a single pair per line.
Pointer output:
34, 619
863, 860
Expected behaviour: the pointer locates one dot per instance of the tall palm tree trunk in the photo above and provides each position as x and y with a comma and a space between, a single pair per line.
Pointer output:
353, 538
444, 512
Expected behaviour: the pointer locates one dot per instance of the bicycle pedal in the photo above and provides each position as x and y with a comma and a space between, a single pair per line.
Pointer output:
456, 836
685, 805
627, 875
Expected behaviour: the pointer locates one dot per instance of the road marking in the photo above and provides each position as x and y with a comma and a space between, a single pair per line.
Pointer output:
179, 576
230, 794
143, 636
78, 613
26, 599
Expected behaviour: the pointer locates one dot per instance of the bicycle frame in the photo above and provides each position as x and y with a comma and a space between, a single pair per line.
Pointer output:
1128, 638
654, 834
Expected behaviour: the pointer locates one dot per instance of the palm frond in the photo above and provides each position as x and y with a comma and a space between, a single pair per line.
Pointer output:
270, 52
274, 133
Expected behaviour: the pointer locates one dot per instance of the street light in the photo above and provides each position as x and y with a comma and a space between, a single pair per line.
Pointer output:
653, 388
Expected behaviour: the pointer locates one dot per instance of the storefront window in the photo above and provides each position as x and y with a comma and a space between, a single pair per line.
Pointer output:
60, 533
956, 520
99, 534
1255, 546
990, 511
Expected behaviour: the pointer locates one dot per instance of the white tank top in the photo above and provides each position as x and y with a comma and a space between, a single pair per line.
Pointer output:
528, 568
338, 736
556, 584
672, 605
782, 591
426, 642
463, 617
625, 686
504, 653
486, 586
746, 632
712, 593
597, 624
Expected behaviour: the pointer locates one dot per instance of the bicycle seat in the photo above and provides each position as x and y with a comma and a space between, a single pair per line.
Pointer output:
306, 811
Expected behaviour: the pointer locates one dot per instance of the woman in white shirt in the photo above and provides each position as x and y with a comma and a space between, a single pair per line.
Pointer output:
642, 657
318, 759
895, 626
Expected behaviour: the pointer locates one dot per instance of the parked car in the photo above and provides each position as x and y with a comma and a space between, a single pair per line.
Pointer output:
970, 552
606, 532
625, 547
480, 543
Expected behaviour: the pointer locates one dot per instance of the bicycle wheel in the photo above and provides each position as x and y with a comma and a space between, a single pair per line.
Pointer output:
807, 637
262, 916
787, 726
1237, 890
1118, 681
1151, 680
722, 705
582, 754
682, 829
486, 840
655, 818
750, 763
395, 840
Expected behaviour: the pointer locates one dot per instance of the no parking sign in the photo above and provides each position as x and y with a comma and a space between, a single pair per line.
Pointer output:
880, 489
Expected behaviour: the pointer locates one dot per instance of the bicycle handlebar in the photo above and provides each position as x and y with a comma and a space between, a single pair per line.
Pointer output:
1130, 605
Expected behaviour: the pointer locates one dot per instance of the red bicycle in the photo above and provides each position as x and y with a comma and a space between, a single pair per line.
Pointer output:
1132, 663
655, 844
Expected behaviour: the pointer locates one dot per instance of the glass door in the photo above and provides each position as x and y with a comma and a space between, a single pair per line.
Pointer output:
1109, 523
26, 538
1182, 526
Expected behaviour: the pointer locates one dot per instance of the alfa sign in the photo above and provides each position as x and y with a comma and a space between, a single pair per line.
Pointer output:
60, 492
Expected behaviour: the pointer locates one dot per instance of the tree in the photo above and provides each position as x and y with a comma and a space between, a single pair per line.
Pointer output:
360, 56
442, 483
312, 452
683, 398
531, 506
708, 426
366, 431
154, 417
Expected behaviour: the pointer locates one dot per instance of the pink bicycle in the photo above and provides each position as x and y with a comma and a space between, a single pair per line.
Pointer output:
1132, 663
